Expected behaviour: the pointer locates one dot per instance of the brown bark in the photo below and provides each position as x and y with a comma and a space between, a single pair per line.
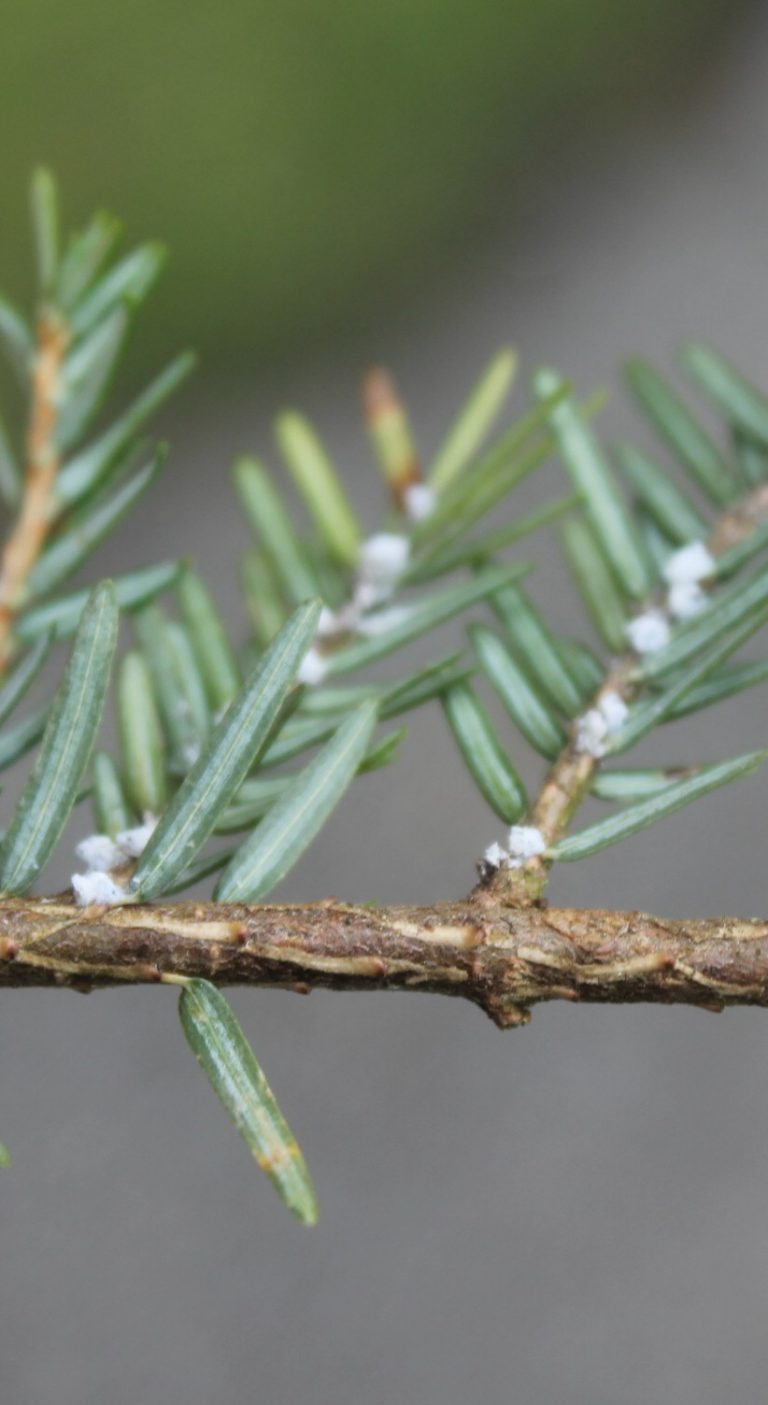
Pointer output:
33, 523
504, 960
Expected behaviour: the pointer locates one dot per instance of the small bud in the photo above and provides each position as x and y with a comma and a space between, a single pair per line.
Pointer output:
390, 432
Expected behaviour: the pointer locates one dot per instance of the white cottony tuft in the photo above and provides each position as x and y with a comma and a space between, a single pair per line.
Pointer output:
648, 632
328, 623
598, 723
383, 558
133, 842
495, 855
96, 888
366, 596
613, 708
332, 623
525, 842
591, 732
313, 668
689, 565
686, 599
99, 853
419, 502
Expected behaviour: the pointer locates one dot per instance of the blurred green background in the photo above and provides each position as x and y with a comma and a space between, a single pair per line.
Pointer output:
308, 162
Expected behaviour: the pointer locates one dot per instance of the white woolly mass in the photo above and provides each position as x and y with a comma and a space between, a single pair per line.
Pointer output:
366, 596
332, 623
689, 565
599, 722
383, 558
613, 708
99, 853
96, 888
313, 668
419, 502
328, 623
591, 732
686, 599
133, 842
525, 842
495, 855
649, 632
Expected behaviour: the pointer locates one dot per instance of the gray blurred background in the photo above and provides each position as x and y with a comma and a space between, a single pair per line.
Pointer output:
573, 1213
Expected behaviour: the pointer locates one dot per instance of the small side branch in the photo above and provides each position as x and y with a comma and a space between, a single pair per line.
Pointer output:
572, 773
503, 960
32, 525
